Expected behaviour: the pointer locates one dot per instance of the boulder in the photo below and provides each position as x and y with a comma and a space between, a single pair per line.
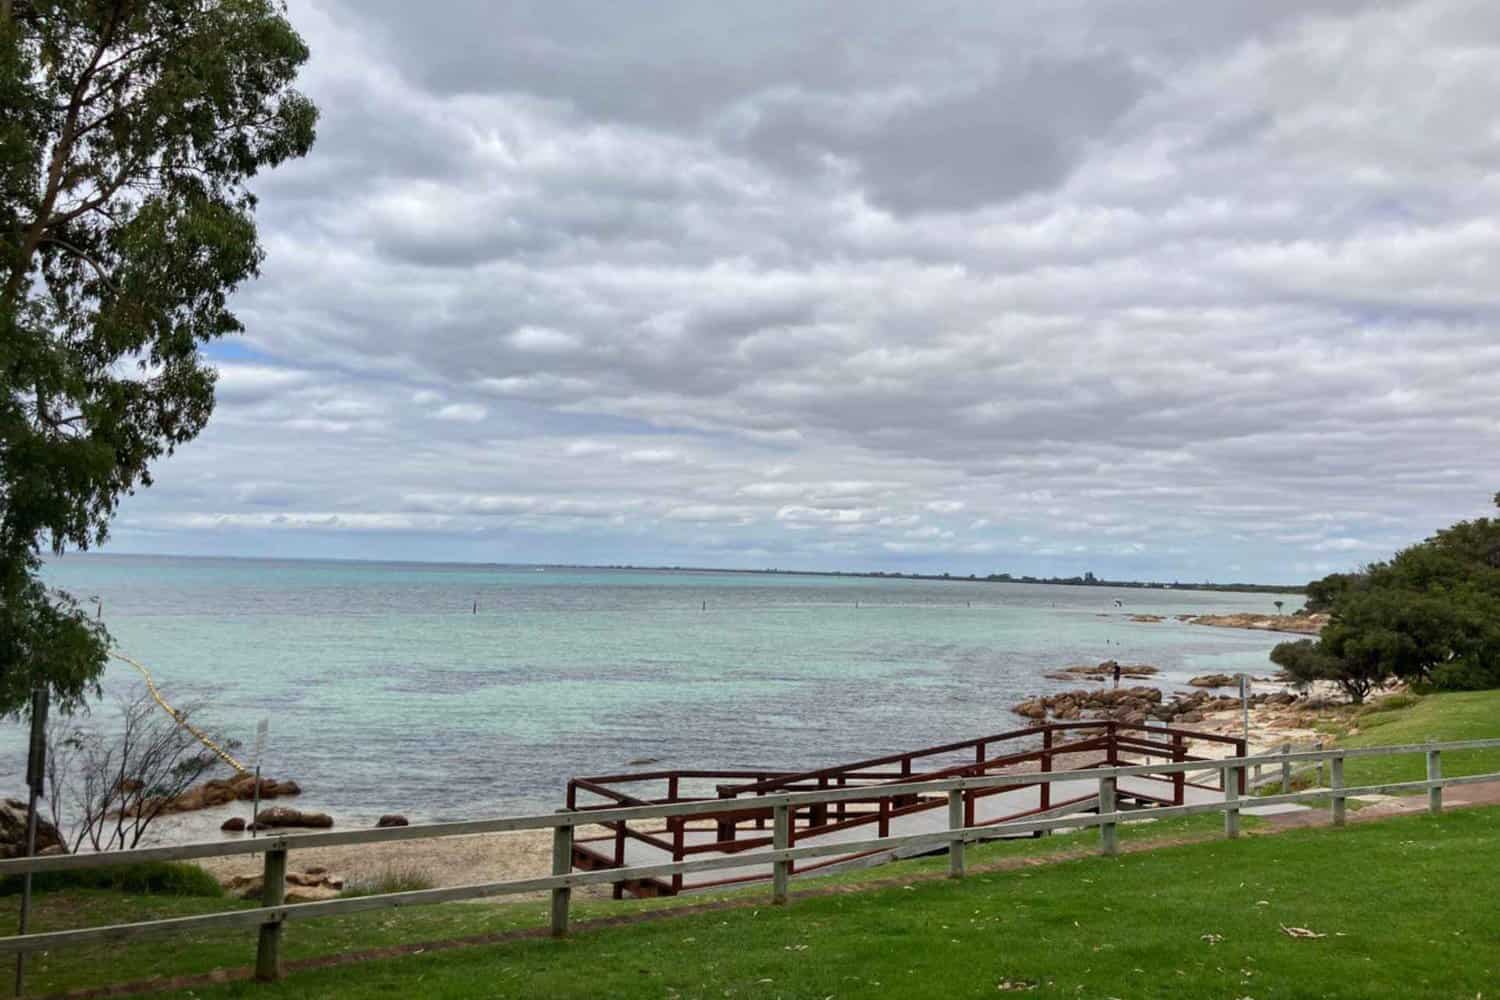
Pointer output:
13, 815
391, 819
1188, 717
233, 824
310, 894
282, 816
1212, 681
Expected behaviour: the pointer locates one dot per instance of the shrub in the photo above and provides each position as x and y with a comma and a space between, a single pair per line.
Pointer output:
166, 878
390, 879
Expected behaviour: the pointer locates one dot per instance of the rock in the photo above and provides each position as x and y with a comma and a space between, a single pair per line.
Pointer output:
281, 816
1303, 624
1033, 709
313, 879
1147, 618
13, 815
1281, 698
1189, 717
1212, 681
233, 824
391, 819
311, 894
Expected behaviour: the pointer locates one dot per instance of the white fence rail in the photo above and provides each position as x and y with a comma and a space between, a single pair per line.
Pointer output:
274, 913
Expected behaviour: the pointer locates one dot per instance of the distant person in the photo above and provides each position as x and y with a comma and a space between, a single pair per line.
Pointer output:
1117, 673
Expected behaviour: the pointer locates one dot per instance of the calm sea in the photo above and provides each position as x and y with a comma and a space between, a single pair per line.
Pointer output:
385, 690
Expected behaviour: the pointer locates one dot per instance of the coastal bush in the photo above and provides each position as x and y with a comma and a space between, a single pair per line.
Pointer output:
1430, 616
165, 878
396, 878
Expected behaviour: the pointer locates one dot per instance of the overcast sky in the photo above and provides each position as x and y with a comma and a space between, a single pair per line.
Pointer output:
1163, 289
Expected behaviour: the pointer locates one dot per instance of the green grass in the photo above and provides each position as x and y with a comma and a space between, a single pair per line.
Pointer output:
147, 878
1458, 715
204, 951
1405, 905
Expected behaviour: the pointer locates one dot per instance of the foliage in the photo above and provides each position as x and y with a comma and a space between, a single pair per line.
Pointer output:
147, 878
1430, 616
129, 131
108, 786
395, 878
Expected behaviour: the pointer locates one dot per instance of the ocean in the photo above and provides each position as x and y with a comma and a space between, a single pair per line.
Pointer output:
387, 691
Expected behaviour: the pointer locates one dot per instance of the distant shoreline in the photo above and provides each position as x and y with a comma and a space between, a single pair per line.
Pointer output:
1053, 581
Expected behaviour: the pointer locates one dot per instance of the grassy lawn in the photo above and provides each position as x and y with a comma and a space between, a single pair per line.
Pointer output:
1459, 715
1405, 905
204, 952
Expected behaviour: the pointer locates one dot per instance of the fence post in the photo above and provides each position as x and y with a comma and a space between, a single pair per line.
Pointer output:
1109, 833
1434, 773
781, 839
1318, 746
1179, 778
1231, 783
273, 893
562, 864
1286, 768
1336, 782
1046, 768
956, 822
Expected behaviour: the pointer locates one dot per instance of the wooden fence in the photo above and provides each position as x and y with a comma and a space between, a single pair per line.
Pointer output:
271, 917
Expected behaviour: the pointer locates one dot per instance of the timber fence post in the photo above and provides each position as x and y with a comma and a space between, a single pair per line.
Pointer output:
1286, 768
1318, 746
1109, 832
562, 864
1336, 781
781, 839
273, 893
956, 822
1231, 785
1434, 773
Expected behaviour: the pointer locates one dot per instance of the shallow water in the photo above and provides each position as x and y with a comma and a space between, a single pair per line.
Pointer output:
386, 692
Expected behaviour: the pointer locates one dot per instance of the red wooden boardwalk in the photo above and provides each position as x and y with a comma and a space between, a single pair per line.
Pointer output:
743, 826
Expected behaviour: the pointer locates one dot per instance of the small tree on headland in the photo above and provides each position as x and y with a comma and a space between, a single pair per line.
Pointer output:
128, 132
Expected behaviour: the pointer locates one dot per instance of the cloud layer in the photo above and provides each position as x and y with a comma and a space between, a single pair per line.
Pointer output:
1131, 288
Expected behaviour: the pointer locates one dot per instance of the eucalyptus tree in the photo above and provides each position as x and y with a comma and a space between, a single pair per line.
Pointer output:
129, 132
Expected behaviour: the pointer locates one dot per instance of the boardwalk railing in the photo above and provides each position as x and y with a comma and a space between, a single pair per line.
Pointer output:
271, 917
745, 819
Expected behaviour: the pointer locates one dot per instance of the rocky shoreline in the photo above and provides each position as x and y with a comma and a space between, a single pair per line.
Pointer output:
1298, 624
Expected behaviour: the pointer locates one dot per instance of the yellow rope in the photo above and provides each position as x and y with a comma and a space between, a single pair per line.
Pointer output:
178, 717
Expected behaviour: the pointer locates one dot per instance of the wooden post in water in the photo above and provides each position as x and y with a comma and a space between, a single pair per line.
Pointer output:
1109, 833
1231, 785
781, 839
273, 893
1434, 773
1336, 782
956, 822
562, 864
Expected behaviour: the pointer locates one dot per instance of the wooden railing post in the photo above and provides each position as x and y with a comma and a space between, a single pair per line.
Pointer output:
1336, 782
1434, 773
1286, 768
562, 864
1241, 749
781, 839
1046, 768
883, 824
1179, 778
1112, 743
1109, 833
1231, 783
1318, 746
273, 893
956, 822
678, 826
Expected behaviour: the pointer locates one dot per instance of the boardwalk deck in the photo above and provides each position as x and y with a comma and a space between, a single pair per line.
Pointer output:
745, 826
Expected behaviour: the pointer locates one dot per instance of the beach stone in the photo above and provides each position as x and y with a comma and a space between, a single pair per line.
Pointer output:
280, 816
1212, 681
233, 824
13, 814
391, 819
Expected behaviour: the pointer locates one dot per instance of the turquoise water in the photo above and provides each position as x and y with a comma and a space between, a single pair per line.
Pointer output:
386, 692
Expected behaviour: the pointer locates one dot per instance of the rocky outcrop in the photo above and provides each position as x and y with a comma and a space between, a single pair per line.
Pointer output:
1148, 618
301, 887
13, 814
1103, 672
222, 791
282, 816
391, 819
1136, 705
1300, 624
233, 824
1213, 681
